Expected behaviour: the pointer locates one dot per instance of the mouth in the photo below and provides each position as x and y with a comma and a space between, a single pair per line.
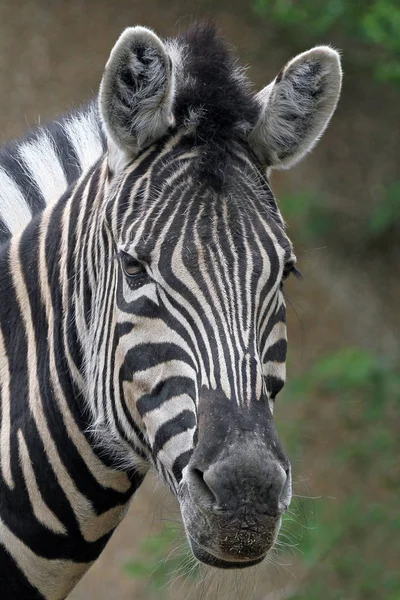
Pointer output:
222, 563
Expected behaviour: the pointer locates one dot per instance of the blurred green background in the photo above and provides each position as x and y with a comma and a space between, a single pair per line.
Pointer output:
339, 414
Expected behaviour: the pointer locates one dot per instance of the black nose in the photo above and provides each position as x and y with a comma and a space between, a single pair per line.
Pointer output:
230, 484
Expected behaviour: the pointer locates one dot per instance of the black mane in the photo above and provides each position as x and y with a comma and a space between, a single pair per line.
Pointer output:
214, 92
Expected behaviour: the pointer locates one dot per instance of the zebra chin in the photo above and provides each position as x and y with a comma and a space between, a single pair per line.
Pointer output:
229, 540
223, 562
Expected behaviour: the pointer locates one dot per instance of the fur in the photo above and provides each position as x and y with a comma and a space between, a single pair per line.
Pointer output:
192, 82
37, 169
297, 107
213, 94
136, 93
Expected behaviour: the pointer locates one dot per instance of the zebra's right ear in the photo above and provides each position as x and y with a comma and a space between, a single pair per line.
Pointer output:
136, 94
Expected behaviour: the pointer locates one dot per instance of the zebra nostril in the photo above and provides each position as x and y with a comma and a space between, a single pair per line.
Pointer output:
199, 489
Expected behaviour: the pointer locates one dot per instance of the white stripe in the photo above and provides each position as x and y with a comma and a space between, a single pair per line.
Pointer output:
41, 510
45, 168
275, 369
53, 578
14, 210
175, 446
168, 410
278, 332
5, 425
84, 134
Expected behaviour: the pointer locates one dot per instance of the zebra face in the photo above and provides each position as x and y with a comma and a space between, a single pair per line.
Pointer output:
201, 253
201, 312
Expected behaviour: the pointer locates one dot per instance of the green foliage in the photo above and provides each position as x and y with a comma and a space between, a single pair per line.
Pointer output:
375, 23
386, 216
348, 370
320, 17
313, 218
340, 543
160, 561
308, 213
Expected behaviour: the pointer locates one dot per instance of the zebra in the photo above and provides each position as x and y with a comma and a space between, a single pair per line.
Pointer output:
38, 169
142, 314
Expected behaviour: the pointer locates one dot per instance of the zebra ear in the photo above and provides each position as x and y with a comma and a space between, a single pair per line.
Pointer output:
296, 107
136, 94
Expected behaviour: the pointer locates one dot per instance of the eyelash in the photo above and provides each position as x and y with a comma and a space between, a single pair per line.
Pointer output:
131, 267
290, 269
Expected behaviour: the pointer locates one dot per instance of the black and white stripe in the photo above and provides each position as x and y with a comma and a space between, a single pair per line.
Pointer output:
38, 169
137, 284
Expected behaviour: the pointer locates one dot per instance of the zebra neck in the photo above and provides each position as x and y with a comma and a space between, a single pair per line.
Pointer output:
60, 497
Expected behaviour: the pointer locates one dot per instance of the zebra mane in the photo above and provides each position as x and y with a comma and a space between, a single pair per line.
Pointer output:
213, 93
212, 84
38, 168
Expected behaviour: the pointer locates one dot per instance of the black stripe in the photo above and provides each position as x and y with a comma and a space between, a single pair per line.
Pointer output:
144, 356
276, 352
65, 151
274, 385
5, 234
163, 391
180, 463
15, 167
14, 584
178, 424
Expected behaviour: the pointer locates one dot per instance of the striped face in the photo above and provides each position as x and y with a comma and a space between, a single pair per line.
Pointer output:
198, 346
200, 335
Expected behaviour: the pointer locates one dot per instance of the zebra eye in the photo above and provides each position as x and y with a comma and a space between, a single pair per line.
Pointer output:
131, 266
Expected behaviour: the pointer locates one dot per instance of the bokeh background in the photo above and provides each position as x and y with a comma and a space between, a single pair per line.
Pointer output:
339, 415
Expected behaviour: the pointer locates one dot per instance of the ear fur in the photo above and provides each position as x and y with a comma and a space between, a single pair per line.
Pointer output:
136, 94
296, 107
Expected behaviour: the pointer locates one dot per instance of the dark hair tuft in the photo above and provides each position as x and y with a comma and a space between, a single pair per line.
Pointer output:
212, 87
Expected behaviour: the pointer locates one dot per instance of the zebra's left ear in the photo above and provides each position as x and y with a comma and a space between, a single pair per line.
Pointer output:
136, 94
296, 107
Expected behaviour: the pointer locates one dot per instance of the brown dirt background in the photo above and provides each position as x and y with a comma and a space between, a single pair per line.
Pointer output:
52, 53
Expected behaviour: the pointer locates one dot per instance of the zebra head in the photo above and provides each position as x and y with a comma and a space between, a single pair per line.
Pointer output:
188, 273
